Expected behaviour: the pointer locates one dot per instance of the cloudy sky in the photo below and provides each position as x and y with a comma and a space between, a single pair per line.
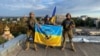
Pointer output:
43, 7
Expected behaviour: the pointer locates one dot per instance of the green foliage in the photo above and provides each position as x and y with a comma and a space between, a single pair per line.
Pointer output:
2, 40
79, 22
99, 25
16, 28
89, 22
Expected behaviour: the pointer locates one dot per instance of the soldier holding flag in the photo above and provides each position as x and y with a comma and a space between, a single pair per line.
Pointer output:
31, 30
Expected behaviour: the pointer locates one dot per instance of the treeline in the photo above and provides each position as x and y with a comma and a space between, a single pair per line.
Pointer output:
88, 22
15, 28
20, 26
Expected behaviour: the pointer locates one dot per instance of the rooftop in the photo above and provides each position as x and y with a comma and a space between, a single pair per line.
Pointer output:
82, 49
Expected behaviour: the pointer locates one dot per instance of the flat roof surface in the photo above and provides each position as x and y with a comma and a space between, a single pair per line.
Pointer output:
82, 49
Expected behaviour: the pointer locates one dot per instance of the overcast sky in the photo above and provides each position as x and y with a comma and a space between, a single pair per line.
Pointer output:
43, 7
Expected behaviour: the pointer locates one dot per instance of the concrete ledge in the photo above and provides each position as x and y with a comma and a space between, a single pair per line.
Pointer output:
87, 39
11, 45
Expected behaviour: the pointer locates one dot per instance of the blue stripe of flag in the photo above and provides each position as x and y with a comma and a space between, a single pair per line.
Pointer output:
49, 30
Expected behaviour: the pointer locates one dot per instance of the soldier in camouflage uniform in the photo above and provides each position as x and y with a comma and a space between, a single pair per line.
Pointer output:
31, 30
47, 20
68, 25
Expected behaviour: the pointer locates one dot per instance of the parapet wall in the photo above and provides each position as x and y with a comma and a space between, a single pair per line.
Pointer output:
11, 45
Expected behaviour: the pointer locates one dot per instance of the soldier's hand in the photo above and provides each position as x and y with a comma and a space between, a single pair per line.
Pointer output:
72, 27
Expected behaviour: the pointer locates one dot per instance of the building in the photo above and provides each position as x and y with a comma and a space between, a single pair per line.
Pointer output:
94, 33
3, 19
60, 18
18, 19
83, 17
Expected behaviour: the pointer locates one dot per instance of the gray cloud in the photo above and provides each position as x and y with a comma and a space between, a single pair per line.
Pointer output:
42, 7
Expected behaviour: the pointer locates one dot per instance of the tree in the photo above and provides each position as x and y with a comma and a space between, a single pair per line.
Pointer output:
98, 24
78, 22
89, 22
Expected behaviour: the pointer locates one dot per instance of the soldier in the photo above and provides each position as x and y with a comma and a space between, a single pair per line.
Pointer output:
31, 30
47, 20
68, 25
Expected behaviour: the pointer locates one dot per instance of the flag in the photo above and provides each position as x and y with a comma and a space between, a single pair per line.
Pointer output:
48, 35
53, 19
54, 11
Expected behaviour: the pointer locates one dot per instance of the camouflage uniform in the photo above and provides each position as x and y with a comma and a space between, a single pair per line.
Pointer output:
30, 32
68, 25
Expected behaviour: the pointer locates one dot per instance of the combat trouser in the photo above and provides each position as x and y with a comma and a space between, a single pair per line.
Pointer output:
30, 34
67, 35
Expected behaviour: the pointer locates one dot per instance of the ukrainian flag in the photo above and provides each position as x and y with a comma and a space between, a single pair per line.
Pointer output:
48, 35
53, 19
